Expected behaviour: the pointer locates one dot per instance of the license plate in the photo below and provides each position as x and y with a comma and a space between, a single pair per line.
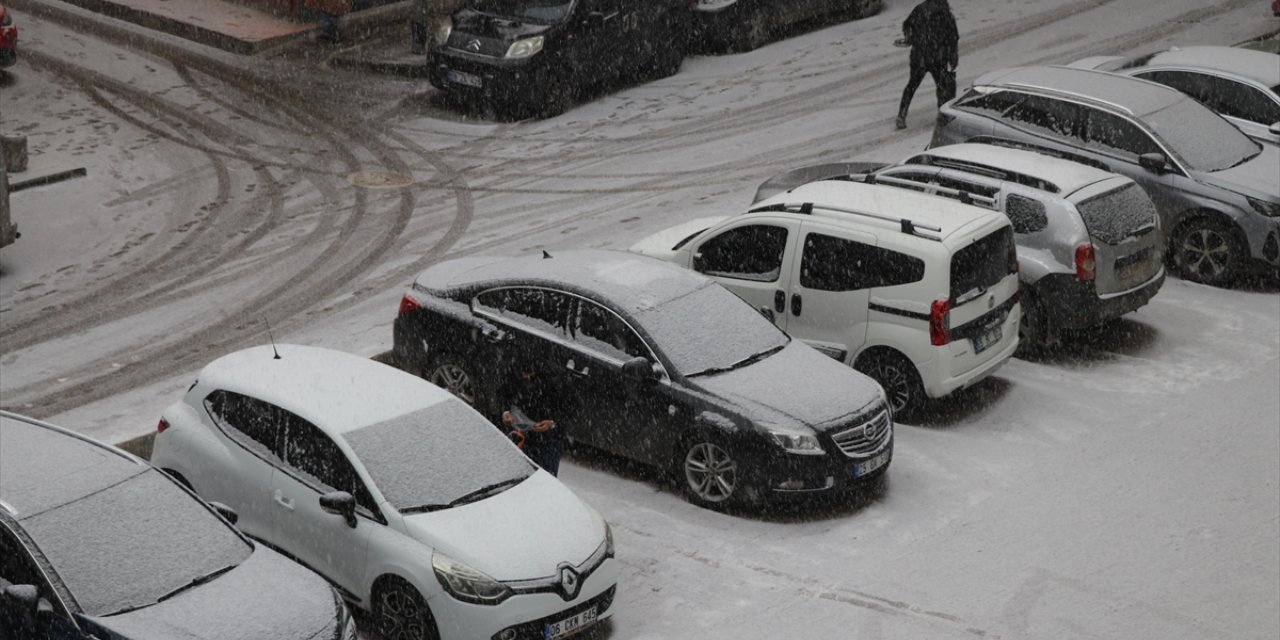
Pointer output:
464, 78
571, 625
863, 468
987, 339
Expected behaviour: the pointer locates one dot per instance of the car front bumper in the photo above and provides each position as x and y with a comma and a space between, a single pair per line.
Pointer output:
518, 80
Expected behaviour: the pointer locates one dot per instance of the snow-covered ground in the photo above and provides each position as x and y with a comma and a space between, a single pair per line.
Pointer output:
1128, 488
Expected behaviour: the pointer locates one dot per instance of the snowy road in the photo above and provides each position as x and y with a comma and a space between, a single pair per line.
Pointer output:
1128, 489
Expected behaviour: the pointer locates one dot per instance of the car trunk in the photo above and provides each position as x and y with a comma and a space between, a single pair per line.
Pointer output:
1124, 228
983, 283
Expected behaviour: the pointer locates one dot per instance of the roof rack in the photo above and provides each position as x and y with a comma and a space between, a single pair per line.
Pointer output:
1072, 94
965, 197
1016, 177
807, 208
1042, 150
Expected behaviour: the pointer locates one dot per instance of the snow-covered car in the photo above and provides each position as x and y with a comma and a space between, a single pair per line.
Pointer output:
1243, 86
407, 500
97, 544
749, 24
654, 363
8, 39
1089, 241
918, 292
1217, 190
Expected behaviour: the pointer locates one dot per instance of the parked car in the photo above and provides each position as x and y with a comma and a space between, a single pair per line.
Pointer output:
540, 56
918, 292
1217, 190
95, 543
653, 363
414, 506
1089, 241
8, 39
1243, 86
749, 24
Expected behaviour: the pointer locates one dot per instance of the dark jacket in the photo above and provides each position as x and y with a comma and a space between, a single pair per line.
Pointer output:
931, 30
536, 401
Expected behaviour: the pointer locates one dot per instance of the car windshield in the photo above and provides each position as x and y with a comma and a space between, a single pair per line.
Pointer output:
129, 545
709, 328
433, 458
546, 11
1200, 137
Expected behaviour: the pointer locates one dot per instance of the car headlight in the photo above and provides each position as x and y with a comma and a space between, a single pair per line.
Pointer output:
467, 584
443, 32
1268, 209
795, 442
525, 48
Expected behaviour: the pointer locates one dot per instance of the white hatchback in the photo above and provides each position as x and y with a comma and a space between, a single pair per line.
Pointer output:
404, 497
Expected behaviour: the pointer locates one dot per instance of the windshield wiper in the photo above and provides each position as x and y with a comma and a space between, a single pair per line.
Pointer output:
196, 582
424, 508
484, 492
755, 357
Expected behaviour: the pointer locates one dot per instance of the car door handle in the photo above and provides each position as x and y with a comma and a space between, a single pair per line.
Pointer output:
779, 301
287, 503
796, 304
573, 368
494, 334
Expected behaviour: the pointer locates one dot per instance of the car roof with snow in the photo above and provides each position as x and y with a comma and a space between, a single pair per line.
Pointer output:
921, 209
1256, 65
43, 466
1064, 175
320, 385
1135, 96
627, 280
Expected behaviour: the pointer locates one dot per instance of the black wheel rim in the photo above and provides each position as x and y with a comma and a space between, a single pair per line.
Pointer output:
896, 383
455, 380
401, 615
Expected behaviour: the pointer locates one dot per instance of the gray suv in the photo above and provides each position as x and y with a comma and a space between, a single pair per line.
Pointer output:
1217, 191
1089, 246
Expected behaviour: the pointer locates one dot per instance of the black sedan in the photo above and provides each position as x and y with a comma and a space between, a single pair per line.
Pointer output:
540, 55
748, 24
651, 362
95, 543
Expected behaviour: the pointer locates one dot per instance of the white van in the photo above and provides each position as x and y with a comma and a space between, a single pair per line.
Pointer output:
916, 291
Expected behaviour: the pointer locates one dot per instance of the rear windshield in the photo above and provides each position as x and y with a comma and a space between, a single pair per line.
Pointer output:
982, 265
1119, 214
547, 11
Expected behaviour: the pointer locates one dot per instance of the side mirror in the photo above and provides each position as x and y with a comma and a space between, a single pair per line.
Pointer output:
1274, 128
638, 369
340, 503
25, 596
226, 512
1154, 162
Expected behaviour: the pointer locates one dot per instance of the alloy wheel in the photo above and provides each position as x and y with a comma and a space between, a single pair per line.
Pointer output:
455, 380
896, 385
710, 472
402, 615
1206, 253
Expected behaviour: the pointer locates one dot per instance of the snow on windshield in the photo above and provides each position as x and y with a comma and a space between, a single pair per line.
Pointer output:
535, 10
436, 455
133, 542
708, 327
1201, 137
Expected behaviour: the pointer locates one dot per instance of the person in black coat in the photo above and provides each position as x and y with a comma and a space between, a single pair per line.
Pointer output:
931, 33
529, 418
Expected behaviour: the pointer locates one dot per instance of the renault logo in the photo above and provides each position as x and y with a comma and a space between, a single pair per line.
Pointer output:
473, 46
570, 582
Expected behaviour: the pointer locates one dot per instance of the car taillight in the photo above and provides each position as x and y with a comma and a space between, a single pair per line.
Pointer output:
408, 304
1014, 267
940, 323
164, 424
1086, 265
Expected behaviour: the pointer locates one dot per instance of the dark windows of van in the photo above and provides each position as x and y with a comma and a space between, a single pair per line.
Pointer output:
252, 423
752, 252
600, 330
1026, 214
1056, 118
1113, 134
982, 265
540, 309
1227, 97
836, 264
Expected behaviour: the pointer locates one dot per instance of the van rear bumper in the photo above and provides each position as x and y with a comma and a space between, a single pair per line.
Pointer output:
945, 384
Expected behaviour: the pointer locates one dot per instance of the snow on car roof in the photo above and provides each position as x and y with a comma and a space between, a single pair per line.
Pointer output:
333, 390
1256, 65
43, 467
920, 208
1138, 96
1067, 175
627, 280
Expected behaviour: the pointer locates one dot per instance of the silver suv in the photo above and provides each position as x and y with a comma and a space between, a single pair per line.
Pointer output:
1088, 240
1217, 191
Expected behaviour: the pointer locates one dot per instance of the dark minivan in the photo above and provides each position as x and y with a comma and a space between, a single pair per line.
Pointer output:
652, 362
539, 55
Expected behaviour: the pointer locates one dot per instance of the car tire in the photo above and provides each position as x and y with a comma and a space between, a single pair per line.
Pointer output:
865, 8
899, 378
754, 32
557, 97
1208, 251
668, 60
449, 372
708, 473
1032, 329
401, 613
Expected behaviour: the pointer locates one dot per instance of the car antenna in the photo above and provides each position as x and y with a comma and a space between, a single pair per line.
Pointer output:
545, 255
273, 341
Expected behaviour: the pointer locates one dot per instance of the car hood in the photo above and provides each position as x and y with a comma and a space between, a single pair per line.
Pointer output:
470, 22
523, 533
660, 245
789, 180
1256, 178
798, 386
266, 596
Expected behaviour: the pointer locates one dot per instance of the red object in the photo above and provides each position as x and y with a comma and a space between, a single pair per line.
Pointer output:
164, 424
1275, 8
940, 323
8, 39
408, 304
1086, 265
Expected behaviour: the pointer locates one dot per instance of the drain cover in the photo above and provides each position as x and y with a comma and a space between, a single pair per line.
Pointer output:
380, 179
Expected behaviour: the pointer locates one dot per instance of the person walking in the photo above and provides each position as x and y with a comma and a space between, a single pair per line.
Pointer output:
529, 422
931, 33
